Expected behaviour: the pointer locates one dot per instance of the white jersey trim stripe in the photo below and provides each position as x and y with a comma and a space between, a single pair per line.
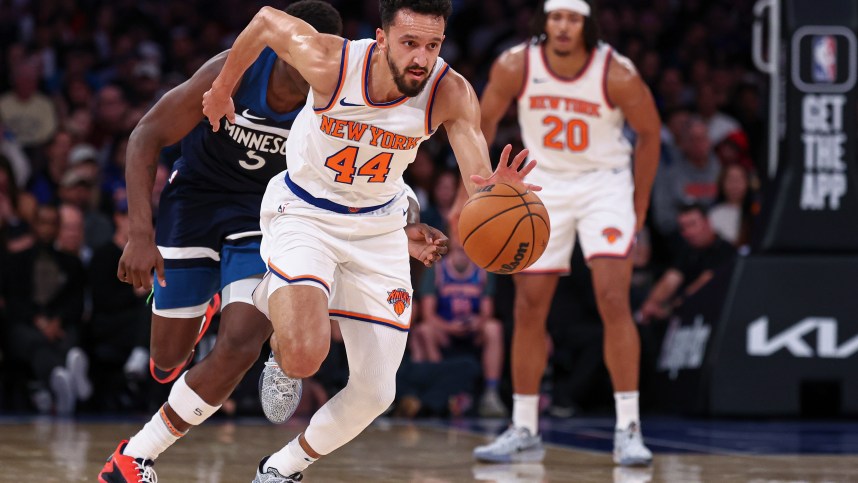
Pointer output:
243, 234
184, 253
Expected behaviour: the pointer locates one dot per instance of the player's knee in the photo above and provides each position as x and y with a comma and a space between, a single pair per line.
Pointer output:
613, 303
167, 358
241, 354
375, 400
299, 361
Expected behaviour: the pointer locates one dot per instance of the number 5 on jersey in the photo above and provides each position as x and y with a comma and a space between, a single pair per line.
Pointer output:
577, 134
343, 163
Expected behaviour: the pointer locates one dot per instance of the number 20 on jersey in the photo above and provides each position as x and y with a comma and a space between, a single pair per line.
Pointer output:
573, 135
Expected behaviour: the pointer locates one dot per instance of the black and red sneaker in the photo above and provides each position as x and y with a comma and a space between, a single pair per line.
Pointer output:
169, 375
121, 468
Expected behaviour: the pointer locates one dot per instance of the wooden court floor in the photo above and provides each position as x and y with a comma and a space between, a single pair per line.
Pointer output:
47, 450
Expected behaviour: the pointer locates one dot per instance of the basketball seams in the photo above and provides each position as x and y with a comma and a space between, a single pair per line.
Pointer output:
532, 230
511, 233
510, 218
476, 228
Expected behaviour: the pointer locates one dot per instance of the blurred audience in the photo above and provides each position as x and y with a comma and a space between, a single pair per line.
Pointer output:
694, 266
457, 305
733, 214
79, 76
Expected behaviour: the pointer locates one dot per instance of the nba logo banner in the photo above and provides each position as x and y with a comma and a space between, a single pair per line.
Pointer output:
824, 59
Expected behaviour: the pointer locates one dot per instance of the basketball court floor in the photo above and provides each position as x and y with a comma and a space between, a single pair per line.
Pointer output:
687, 451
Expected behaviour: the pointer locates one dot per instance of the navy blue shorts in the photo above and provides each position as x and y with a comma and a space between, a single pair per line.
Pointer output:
208, 239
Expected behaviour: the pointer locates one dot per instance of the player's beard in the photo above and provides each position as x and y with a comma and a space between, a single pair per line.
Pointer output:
409, 88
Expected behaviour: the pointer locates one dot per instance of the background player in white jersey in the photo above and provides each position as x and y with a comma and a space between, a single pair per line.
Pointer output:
573, 96
332, 226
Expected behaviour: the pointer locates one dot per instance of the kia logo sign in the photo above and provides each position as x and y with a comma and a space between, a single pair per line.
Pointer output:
793, 339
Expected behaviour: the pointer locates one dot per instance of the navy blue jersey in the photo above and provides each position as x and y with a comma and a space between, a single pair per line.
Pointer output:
240, 157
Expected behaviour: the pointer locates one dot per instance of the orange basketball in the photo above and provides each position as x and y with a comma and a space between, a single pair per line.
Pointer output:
503, 230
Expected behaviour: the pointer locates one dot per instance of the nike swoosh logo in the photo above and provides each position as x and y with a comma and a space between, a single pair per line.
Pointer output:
539, 80
247, 114
348, 104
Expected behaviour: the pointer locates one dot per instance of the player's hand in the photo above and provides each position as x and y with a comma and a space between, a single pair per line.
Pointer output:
217, 105
425, 244
138, 261
509, 173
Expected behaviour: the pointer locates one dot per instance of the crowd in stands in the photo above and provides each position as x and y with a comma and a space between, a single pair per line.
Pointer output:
78, 76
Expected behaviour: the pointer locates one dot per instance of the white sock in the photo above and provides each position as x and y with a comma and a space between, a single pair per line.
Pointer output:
291, 459
155, 437
627, 408
525, 412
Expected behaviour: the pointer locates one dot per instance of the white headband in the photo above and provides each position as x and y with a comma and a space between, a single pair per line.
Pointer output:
577, 6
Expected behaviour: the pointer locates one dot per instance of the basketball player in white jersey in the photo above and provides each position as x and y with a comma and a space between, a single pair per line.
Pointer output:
332, 226
574, 95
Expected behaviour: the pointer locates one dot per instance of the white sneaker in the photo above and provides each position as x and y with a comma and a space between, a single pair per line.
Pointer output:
515, 445
271, 475
279, 393
64, 395
137, 364
629, 448
77, 364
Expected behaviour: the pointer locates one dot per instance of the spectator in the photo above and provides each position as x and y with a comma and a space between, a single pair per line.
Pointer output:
18, 161
731, 217
120, 322
15, 235
704, 252
45, 184
77, 189
437, 212
458, 320
25, 111
44, 308
692, 179
70, 236
718, 124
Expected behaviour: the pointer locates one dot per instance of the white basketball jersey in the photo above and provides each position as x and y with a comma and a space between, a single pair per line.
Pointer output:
353, 151
568, 124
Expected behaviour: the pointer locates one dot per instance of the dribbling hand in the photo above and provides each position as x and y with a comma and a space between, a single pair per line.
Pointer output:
217, 106
425, 244
509, 173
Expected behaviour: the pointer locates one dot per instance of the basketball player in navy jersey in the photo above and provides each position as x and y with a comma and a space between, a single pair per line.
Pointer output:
332, 224
574, 95
207, 237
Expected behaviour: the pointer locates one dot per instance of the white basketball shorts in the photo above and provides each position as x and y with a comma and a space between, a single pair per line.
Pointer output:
598, 206
359, 260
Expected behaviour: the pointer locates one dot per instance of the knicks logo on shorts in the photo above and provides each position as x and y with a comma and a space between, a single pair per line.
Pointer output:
612, 234
400, 299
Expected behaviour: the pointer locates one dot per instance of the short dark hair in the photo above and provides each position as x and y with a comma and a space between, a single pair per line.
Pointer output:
692, 206
591, 28
388, 8
320, 15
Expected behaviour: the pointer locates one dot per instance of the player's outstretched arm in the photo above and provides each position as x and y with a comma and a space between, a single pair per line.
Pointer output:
459, 111
505, 81
630, 94
169, 120
316, 56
